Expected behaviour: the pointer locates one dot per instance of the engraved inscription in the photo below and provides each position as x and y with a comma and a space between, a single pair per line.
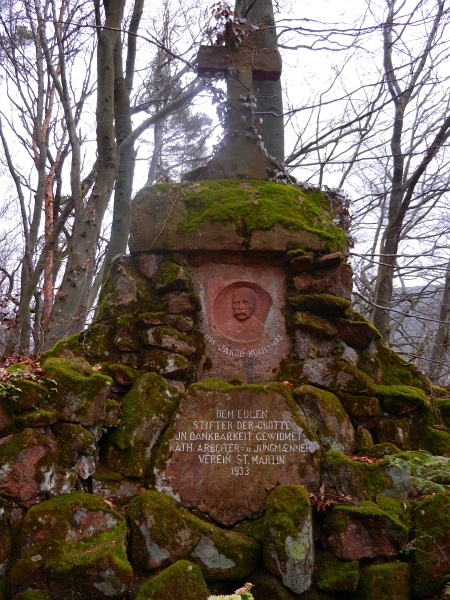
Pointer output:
243, 439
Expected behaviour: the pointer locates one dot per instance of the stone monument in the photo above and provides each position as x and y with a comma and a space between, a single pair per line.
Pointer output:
228, 417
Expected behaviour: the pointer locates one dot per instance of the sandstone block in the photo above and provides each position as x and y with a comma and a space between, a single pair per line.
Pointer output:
314, 324
400, 399
73, 544
29, 468
336, 375
181, 581
181, 303
165, 363
220, 554
227, 446
170, 339
327, 418
6, 539
360, 406
353, 533
394, 431
171, 276
355, 333
146, 411
81, 392
288, 537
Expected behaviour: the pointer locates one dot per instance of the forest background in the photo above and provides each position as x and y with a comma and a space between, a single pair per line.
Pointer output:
101, 97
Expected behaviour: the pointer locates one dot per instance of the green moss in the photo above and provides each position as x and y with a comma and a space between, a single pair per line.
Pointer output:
367, 508
147, 318
210, 385
395, 370
430, 560
314, 324
268, 590
381, 450
258, 205
65, 555
334, 575
399, 509
78, 381
68, 347
121, 374
389, 581
181, 581
399, 399
288, 507
253, 528
321, 304
162, 515
171, 276
146, 408
361, 480
434, 441
32, 596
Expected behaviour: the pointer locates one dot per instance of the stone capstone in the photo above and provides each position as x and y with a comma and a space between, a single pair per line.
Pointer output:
228, 445
288, 537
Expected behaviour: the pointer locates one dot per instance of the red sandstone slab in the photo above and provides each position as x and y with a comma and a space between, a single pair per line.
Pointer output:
241, 321
228, 447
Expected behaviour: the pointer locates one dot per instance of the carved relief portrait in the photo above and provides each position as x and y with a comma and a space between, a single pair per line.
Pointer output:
240, 311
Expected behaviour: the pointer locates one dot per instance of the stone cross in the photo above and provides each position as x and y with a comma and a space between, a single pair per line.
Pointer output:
239, 156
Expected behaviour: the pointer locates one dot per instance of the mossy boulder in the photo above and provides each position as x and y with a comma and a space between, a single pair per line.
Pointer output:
166, 363
32, 394
5, 537
360, 406
77, 448
115, 488
363, 441
170, 277
433, 440
327, 418
364, 531
146, 412
400, 399
169, 339
288, 537
81, 392
162, 533
334, 575
432, 544
30, 469
324, 305
233, 214
394, 431
73, 544
336, 375
314, 324
181, 581
389, 581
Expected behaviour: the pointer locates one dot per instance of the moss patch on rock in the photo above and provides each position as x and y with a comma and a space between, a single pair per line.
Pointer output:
334, 575
432, 555
389, 581
163, 533
400, 399
73, 544
81, 392
146, 412
324, 305
181, 581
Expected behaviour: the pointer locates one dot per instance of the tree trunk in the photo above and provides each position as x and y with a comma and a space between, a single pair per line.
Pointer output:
72, 300
441, 338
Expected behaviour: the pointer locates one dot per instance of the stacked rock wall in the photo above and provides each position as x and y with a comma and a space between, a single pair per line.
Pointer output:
227, 417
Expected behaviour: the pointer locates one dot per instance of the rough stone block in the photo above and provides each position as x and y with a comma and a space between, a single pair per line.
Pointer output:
181, 581
355, 333
288, 537
170, 339
73, 544
353, 533
220, 554
389, 581
400, 399
394, 431
327, 418
146, 411
334, 575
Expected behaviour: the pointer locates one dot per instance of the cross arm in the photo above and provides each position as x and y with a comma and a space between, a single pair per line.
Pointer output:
265, 63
